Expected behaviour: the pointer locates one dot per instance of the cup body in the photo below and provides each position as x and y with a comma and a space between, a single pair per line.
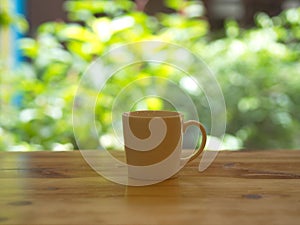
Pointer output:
153, 142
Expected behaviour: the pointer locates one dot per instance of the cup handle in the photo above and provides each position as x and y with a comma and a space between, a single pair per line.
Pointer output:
203, 142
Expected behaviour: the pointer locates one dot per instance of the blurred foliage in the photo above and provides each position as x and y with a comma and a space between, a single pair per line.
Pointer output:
258, 70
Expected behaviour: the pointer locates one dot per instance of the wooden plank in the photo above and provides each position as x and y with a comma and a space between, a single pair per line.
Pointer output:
260, 187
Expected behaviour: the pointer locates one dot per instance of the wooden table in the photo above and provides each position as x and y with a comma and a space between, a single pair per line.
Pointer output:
246, 187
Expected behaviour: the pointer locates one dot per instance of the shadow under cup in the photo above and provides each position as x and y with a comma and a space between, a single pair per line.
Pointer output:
153, 143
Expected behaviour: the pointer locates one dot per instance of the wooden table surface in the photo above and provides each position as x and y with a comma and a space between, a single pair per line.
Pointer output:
245, 187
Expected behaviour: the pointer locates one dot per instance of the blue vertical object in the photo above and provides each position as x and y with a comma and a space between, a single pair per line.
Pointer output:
20, 8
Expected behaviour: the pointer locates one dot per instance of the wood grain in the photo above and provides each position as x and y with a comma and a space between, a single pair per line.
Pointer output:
246, 187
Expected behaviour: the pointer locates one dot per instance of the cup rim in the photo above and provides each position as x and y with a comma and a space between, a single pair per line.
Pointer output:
152, 113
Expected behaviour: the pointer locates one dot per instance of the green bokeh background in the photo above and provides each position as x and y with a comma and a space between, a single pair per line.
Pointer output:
257, 69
